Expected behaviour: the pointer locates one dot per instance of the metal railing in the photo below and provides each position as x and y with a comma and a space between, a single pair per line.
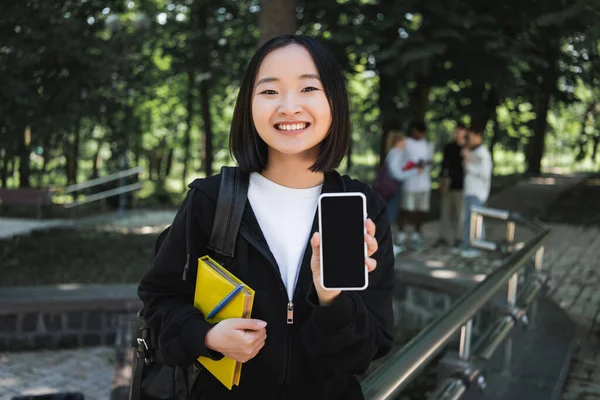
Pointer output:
404, 365
121, 190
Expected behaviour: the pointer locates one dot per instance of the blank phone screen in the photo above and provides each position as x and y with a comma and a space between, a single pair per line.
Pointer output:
342, 242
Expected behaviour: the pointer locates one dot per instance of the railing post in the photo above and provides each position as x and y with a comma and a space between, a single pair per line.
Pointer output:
511, 297
464, 351
539, 259
479, 231
476, 226
510, 231
513, 284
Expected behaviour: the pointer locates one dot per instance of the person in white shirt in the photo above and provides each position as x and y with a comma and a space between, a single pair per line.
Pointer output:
478, 176
394, 162
418, 155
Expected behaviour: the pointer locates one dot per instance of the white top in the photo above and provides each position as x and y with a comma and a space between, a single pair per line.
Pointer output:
416, 150
285, 216
478, 173
395, 161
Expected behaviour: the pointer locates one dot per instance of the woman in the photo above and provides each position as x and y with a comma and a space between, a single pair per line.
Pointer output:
290, 130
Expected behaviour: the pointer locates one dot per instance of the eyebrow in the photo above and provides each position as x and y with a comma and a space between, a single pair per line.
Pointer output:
272, 79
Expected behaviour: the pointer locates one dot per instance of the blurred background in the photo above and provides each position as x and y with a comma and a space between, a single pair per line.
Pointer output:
91, 87
109, 108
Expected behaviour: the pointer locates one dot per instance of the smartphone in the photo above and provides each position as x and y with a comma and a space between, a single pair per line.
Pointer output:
342, 218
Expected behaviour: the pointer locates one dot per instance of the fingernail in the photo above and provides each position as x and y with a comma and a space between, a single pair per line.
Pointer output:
262, 324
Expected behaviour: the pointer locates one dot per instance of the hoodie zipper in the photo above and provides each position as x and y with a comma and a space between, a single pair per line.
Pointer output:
290, 319
289, 306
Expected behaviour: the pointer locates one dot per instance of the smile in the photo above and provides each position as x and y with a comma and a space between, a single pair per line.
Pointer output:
292, 127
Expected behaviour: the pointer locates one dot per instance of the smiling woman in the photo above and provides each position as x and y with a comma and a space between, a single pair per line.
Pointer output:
289, 133
292, 80
290, 110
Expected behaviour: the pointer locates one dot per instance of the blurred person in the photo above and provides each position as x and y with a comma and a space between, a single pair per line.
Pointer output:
478, 166
451, 188
396, 165
418, 153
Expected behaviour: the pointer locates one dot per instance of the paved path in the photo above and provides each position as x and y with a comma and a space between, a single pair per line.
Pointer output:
572, 259
89, 371
10, 227
131, 220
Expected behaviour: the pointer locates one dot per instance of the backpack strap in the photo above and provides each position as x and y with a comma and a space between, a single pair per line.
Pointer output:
231, 202
233, 193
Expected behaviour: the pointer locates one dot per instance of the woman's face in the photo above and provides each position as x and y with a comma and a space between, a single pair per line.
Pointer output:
289, 107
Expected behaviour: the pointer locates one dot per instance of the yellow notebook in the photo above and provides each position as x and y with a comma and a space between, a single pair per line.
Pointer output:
213, 284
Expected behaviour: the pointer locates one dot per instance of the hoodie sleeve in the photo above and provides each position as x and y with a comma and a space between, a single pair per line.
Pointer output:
357, 327
168, 296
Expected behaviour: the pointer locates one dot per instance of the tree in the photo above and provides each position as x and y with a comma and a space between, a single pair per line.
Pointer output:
277, 17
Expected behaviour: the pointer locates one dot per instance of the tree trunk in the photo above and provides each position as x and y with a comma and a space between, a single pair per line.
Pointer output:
535, 147
4, 170
497, 134
160, 160
45, 154
208, 133
11, 161
68, 158
24, 167
484, 108
97, 164
596, 142
541, 105
419, 101
75, 152
583, 137
388, 114
277, 17
169, 165
188, 131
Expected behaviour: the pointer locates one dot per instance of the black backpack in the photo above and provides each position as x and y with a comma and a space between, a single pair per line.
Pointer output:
151, 379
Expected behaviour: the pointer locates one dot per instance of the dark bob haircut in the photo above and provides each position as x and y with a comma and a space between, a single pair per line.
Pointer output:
247, 147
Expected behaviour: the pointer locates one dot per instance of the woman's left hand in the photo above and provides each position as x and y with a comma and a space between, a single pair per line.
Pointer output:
327, 296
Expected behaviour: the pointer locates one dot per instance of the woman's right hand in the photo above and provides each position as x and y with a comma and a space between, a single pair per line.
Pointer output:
237, 338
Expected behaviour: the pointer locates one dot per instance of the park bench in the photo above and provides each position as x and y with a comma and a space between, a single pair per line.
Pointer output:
27, 196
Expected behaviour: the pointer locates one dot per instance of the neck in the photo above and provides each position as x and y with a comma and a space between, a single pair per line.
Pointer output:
292, 172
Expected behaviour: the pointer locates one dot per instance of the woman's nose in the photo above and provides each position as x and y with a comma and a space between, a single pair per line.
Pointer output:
290, 105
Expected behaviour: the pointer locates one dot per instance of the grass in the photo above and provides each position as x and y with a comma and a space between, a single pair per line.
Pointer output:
75, 256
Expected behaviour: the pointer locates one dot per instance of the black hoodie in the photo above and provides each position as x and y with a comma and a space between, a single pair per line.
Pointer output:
316, 357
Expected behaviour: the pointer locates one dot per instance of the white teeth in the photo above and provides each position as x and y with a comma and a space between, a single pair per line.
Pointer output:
291, 127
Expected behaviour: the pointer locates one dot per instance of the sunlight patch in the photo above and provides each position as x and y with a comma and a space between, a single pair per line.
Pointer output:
543, 181
444, 274
435, 264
